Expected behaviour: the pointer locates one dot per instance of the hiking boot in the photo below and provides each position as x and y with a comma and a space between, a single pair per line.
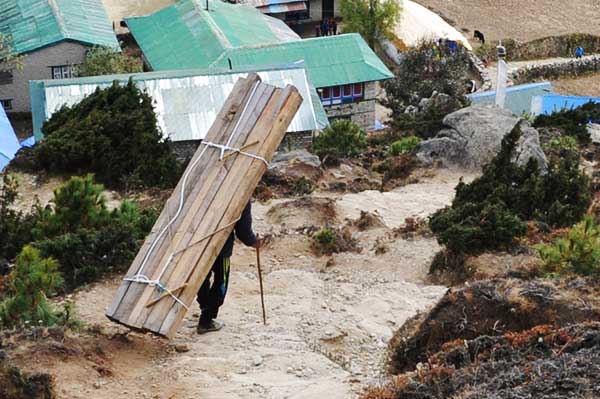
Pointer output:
212, 325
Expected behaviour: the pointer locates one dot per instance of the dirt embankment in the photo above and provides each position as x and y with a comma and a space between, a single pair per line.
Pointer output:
493, 308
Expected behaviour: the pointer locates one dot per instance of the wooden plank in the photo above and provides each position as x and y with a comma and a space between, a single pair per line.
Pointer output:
217, 198
226, 119
251, 172
194, 220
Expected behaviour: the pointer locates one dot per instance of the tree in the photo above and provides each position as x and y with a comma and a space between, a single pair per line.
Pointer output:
107, 61
423, 71
373, 19
112, 133
9, 60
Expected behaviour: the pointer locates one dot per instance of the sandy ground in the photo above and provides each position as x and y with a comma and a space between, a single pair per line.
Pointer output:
329, 320
518, 19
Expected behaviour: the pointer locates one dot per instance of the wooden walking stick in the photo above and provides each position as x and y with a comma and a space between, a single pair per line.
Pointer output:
262, 297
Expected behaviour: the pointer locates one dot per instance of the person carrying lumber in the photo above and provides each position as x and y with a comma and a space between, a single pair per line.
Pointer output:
211, 296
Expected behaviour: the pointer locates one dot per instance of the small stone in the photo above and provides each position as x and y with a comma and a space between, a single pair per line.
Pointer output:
257, 360
181, 348
97, 385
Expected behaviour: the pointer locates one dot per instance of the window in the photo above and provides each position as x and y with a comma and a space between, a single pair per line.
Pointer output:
6, 77
63, 72
347, 90
6, 104
336, 92
358, 90
342, 94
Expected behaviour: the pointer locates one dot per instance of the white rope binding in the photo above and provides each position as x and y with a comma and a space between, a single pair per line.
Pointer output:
141, 278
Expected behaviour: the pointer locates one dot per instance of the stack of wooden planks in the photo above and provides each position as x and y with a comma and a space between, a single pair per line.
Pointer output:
178, 254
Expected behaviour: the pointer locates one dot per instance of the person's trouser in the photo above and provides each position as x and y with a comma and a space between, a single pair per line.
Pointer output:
212, 296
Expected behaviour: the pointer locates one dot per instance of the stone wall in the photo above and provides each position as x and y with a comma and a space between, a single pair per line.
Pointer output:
571, 68
481, 70
38, 66
362, 113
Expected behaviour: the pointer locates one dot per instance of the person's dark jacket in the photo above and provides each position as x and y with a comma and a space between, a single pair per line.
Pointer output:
242, 230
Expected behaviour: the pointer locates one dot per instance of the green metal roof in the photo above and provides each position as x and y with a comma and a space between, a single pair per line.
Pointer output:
329, 60
37, 23
187, 35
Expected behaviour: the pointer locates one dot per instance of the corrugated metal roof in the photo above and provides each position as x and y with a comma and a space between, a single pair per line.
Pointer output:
9, 143
329, 60
186, 102
518, 98
37, 23
187, 35
263, 3
279, 8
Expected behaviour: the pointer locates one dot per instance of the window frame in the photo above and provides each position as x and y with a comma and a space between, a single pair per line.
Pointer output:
66, 71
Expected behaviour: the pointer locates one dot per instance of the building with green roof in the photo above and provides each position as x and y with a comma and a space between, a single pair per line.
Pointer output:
185, 36
54, 35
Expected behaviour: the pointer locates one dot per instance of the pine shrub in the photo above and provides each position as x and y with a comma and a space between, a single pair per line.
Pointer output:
572, 122
341, 139
32, 279
405, 145
490, 212
87, 239
112, 133
577, 253
15, 226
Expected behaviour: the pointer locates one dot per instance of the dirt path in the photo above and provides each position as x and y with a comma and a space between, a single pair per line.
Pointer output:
328, 326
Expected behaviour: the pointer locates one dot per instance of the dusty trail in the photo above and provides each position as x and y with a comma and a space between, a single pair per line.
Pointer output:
328, 326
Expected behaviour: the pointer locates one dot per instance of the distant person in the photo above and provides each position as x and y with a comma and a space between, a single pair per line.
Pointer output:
579, 52
325, 28
317, 31
452, 46
334, 26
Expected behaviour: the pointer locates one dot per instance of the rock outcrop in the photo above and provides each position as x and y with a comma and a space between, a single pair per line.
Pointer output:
473, 136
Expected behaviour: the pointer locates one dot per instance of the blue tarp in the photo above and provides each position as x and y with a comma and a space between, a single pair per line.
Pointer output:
545, 105
518, 98
9, 143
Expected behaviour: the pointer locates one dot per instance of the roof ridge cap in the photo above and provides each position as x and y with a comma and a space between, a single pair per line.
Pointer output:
212, 25
59, 18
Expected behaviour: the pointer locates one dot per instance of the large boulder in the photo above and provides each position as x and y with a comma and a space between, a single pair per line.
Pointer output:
296, 164
473, 136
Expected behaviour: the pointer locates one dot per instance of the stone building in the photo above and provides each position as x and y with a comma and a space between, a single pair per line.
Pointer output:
54, 37
343, 68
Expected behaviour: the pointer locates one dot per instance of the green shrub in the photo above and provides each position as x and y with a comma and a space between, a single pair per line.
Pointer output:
32, 279
577, 253
112, 133
79, 203
106, 61
423, 71
403, 146
341, 139
326, 237
572, 122
491, 211
15, 226
86, 238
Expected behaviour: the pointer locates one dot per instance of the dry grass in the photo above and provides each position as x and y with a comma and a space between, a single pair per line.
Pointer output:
519, 19
582, 86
